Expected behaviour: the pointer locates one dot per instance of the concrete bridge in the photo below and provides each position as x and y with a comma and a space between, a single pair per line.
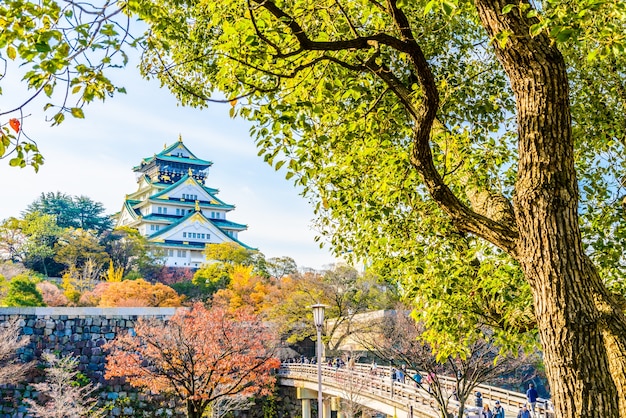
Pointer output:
359, 386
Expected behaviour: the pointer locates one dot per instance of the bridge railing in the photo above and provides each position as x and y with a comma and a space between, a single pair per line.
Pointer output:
360, 383
379, 383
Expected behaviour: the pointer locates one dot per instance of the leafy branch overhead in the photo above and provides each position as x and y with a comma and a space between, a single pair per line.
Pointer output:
63, 52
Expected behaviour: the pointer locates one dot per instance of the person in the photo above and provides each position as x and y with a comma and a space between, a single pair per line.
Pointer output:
417, 378
531, 396
373, 367
486, 412
498, 410
400, 376
523, 412
478, 400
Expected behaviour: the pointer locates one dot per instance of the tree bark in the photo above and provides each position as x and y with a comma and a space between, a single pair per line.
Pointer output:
582, 329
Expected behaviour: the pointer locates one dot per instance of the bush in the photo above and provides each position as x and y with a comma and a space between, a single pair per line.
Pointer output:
22, 291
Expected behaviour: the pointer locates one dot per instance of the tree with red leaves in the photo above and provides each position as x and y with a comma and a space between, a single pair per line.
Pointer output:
201, 356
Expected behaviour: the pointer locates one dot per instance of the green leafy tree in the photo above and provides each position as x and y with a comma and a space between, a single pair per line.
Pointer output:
75, 246
129, 250
22, 291
11, 239
71, 212
41, 233
410, 123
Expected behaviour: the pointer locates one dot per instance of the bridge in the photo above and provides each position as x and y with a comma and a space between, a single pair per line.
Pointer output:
358, 387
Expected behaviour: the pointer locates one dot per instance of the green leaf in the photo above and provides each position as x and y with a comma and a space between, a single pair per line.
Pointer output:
506, 9
77, 112
448, 7
42, 47
11, 52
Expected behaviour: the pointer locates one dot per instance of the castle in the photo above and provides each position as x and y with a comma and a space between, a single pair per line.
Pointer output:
174, 209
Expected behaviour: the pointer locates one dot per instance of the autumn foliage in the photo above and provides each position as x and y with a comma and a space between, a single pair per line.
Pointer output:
202, 356
245, 289
129, 293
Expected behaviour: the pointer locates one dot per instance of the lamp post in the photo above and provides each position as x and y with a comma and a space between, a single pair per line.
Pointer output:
318, 320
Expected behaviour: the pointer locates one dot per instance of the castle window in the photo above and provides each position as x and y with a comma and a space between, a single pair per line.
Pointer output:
164, 210
184, 235
159, 209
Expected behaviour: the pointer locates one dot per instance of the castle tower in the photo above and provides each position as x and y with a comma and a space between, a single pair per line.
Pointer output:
174, 209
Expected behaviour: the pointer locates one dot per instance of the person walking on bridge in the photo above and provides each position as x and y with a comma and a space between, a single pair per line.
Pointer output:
498, 410
531, 396
523, 412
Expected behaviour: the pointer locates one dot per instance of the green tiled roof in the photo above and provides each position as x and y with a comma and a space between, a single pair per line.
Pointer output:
190, 203
184, 218
163, 155
224, 224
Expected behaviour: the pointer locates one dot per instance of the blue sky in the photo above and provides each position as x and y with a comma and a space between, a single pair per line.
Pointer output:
94, 157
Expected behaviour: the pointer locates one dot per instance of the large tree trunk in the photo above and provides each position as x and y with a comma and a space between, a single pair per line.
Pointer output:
582, 331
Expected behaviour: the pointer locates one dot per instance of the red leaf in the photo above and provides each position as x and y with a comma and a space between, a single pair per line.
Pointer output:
15, 124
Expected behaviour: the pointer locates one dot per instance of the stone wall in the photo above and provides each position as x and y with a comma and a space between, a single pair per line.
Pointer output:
80, 332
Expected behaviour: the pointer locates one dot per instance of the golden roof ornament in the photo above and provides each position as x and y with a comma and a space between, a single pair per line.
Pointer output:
190, 172
180, 138
197, 206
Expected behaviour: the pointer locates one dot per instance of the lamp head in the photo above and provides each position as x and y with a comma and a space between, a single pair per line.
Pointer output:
318, 314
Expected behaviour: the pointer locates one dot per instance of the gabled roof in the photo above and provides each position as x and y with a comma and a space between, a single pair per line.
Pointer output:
182, 180
189, 217
171, 154
224, 224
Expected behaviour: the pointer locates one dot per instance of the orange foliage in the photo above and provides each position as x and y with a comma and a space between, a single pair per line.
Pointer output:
92, 298
200, 355
139, 293
245, 289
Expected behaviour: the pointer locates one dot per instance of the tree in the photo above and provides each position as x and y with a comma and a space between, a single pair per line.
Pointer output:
63, 395
12, 240
22, 291
345, 294
245, 290
129, 250
201, 356
12, 369
78, 280
420, 125
71, 211
279, 267
139, 293
41, 233
51, 294
75, 246
399, 340
399, 114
